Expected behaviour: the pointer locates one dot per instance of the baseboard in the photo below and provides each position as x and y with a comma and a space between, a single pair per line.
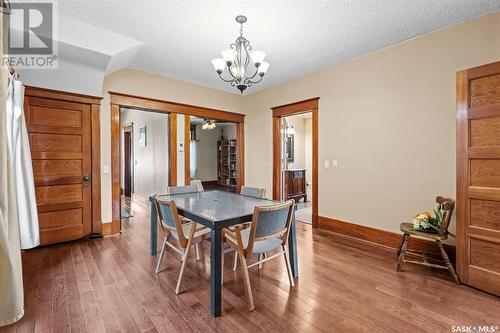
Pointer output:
381, 237
106, 229
209, 183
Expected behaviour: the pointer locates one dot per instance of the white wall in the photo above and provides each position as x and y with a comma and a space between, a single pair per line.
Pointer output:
150, 162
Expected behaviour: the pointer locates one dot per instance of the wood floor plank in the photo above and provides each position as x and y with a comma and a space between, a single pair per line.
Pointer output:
110, 285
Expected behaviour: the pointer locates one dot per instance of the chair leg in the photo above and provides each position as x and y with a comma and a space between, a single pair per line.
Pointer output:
288, 267
235, 263
246, 280
183, 265
222, 268
197, 249
162, 254
261, 256
404, 246
400, 245
448, 262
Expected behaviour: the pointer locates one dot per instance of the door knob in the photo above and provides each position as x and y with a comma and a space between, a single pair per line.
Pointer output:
86, 180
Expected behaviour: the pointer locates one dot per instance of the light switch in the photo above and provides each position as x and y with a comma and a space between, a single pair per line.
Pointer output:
327, 164
335, 164
105, 169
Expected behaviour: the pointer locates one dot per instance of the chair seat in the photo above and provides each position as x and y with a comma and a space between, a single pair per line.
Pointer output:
407, 228
186, 229
262, 246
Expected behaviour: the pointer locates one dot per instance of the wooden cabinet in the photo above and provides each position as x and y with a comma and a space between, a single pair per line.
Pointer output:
478, 177
295, 184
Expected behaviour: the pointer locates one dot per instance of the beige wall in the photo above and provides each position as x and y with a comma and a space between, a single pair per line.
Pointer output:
389, 120
139, 83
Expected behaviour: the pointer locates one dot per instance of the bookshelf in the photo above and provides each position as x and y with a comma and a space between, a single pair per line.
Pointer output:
227, 163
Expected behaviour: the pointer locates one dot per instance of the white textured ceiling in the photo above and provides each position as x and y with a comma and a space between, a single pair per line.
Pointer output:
179, 38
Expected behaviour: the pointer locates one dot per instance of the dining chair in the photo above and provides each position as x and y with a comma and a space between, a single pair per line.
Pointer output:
186, 234
253, 192
193, 188
446, 206
269, 231
182, 189
198, 183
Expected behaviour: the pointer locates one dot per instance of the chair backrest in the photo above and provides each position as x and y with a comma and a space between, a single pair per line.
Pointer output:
253, 192
446, 206
270, 222
198, 184
169, 218
182, 189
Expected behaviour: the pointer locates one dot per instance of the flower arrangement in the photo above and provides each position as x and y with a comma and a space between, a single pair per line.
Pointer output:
425, 222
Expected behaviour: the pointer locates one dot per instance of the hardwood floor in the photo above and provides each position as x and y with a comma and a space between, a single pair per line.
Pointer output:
110, 285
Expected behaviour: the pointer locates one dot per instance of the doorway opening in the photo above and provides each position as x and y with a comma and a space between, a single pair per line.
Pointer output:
214, 154
296, 166
294, 175
144, 155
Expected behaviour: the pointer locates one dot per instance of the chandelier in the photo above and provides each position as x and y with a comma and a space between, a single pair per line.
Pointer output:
237, 58
208, 124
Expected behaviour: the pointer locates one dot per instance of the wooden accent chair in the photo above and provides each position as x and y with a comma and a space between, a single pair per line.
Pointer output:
446, 206
186, 234
253, 192
269, 230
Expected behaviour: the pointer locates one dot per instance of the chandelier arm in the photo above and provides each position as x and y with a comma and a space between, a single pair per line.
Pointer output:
248, 81
254, 74
225, 80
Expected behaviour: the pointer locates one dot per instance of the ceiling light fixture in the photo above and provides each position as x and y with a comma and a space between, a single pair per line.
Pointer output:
237, 58
208, 124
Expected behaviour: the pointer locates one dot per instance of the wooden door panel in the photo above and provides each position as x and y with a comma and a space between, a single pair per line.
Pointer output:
485, 214
58, 194
485, 173
478, 177
55, 142
61, 219
60, 140
56, 117
484, 132
485, 90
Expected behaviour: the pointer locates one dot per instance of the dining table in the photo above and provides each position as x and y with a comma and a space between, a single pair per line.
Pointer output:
217, 210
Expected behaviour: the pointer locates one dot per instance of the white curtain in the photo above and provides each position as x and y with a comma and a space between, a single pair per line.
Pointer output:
11, 280
193, 158
23, 171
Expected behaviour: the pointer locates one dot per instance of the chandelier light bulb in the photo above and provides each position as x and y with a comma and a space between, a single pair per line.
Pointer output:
229, 55
257, 57
263, 68
219, 65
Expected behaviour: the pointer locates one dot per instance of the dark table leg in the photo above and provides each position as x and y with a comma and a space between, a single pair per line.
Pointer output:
154, 228
215, 272
292, 248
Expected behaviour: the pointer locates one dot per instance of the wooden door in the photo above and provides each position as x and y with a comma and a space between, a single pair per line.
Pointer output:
127, 147
60, 139
478, 177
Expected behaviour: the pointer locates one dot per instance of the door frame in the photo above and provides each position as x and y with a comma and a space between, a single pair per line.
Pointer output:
121, 100
300, 107
95, 137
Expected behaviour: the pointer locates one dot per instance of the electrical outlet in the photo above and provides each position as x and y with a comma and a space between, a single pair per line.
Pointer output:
327, 164
335, 164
